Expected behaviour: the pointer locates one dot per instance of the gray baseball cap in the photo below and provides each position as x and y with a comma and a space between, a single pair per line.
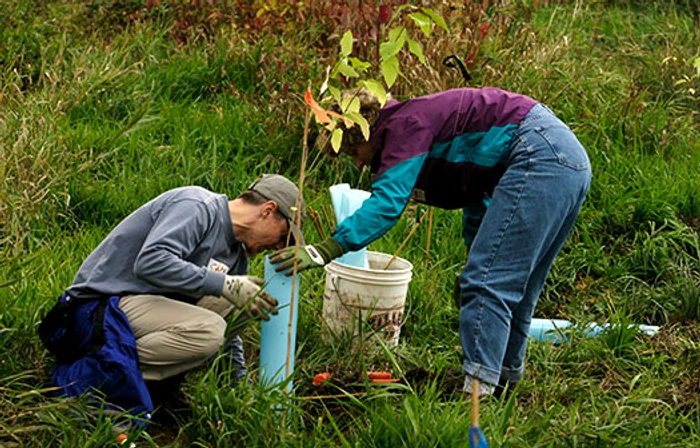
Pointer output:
285, 193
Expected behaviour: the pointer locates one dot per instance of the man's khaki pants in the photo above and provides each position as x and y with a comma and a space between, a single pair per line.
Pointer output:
173, 337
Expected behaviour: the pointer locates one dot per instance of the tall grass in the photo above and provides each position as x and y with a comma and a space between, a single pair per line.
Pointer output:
104, 105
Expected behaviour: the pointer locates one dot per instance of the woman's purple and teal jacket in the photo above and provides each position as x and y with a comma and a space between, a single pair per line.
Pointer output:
448, 150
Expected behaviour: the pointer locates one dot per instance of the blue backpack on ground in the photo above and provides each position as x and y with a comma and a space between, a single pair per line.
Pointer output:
95, 352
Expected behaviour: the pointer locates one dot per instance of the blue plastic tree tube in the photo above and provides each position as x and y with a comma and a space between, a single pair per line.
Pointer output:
547, 329
275, 346
345, 202
550, 329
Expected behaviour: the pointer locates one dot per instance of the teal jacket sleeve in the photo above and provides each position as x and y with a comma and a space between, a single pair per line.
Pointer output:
390, 194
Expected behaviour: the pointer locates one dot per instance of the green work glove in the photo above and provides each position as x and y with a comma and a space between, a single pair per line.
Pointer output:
246, 294
309, 256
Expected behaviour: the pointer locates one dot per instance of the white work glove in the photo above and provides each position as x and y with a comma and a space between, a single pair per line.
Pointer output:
246, 294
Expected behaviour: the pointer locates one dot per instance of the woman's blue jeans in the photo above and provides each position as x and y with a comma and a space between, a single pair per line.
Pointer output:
533, 209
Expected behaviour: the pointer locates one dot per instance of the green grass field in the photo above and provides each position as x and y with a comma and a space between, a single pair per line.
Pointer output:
106, 104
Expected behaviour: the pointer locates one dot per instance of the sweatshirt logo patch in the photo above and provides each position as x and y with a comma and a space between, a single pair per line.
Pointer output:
217, 266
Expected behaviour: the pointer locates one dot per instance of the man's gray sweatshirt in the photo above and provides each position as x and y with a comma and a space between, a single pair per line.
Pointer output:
180, 245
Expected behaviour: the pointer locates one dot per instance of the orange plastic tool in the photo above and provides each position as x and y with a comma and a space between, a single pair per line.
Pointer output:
321, 378
381, 377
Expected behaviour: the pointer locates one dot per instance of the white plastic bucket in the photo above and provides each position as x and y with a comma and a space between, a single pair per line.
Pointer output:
361, 301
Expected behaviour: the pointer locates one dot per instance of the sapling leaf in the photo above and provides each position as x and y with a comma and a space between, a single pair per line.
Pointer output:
359, 64
336, 139
376, 88
346, 44
324, 86
389, 49
350, 104
422, 21
398, 35
335, 93
360, 121
348, 122
318, 111
437, 18
347, 71
416, 49
398, 10
390, 70
394, 33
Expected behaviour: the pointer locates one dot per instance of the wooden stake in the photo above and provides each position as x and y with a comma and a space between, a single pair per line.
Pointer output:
475, 402
410, 234
313, 214
297, 219
331, 216
324, 213
430, 232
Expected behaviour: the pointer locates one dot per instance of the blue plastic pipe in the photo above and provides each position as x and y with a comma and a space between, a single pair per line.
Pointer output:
550, 329
275, 344
345, 202
546, 329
